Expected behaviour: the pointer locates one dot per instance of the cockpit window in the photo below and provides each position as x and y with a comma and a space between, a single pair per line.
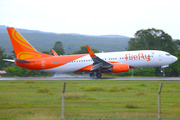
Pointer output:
167, 54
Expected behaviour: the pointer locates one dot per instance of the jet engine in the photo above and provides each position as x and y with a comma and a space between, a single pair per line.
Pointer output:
120, 68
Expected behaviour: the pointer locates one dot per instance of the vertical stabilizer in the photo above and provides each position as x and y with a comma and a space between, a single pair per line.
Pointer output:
22, 48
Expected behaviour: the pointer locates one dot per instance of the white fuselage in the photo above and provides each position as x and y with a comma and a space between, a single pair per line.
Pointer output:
135, 59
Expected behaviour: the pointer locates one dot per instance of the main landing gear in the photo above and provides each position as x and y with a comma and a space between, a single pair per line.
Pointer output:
97, 75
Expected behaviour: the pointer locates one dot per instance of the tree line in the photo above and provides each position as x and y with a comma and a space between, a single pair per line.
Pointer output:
70, 42
144, 39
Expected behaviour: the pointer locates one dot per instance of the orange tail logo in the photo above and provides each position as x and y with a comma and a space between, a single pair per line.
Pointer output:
22, 48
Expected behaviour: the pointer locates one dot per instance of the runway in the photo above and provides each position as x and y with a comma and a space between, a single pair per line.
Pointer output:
88, 78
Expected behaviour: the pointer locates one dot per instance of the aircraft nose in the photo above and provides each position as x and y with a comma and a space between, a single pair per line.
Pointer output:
174, 58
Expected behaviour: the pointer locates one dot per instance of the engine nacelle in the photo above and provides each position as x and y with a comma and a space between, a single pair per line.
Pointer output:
120, 68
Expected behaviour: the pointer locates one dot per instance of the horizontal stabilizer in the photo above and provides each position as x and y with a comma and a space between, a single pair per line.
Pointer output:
9, 60
22, 61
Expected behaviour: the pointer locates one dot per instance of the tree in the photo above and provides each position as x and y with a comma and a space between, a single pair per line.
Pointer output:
2, 56
13, 54
84, 50
153, 39
22, 72
177, 42
46, 52
174, 69
156, 39
58, 47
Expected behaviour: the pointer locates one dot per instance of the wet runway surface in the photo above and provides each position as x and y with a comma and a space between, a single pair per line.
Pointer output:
88, 78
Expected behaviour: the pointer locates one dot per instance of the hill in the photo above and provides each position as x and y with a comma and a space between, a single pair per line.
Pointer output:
44, 41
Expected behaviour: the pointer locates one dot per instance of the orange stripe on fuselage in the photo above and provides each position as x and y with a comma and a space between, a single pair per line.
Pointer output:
85, 69
51, 62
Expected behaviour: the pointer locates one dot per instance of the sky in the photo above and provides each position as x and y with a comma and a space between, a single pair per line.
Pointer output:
92, 17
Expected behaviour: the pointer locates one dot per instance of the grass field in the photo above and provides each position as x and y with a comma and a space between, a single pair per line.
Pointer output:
88, 99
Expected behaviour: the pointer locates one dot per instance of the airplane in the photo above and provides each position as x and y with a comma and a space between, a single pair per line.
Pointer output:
95, 63
54, 53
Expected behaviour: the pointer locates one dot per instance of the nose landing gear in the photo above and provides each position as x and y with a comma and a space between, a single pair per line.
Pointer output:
162, 70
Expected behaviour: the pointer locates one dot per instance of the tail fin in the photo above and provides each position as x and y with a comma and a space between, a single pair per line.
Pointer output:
22, 48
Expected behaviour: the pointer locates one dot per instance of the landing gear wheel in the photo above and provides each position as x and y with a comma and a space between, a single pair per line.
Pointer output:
98, 75
92, 75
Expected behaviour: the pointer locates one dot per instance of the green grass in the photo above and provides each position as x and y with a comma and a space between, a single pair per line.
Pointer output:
43, 90
93, 88
88, 99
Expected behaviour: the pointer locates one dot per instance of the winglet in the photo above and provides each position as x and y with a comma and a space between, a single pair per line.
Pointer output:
90, 51
98, 62
54, 53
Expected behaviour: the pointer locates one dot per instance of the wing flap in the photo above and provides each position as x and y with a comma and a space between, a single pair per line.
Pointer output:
96, 66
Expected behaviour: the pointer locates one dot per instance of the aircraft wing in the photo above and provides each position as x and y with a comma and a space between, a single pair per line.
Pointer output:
98, 62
